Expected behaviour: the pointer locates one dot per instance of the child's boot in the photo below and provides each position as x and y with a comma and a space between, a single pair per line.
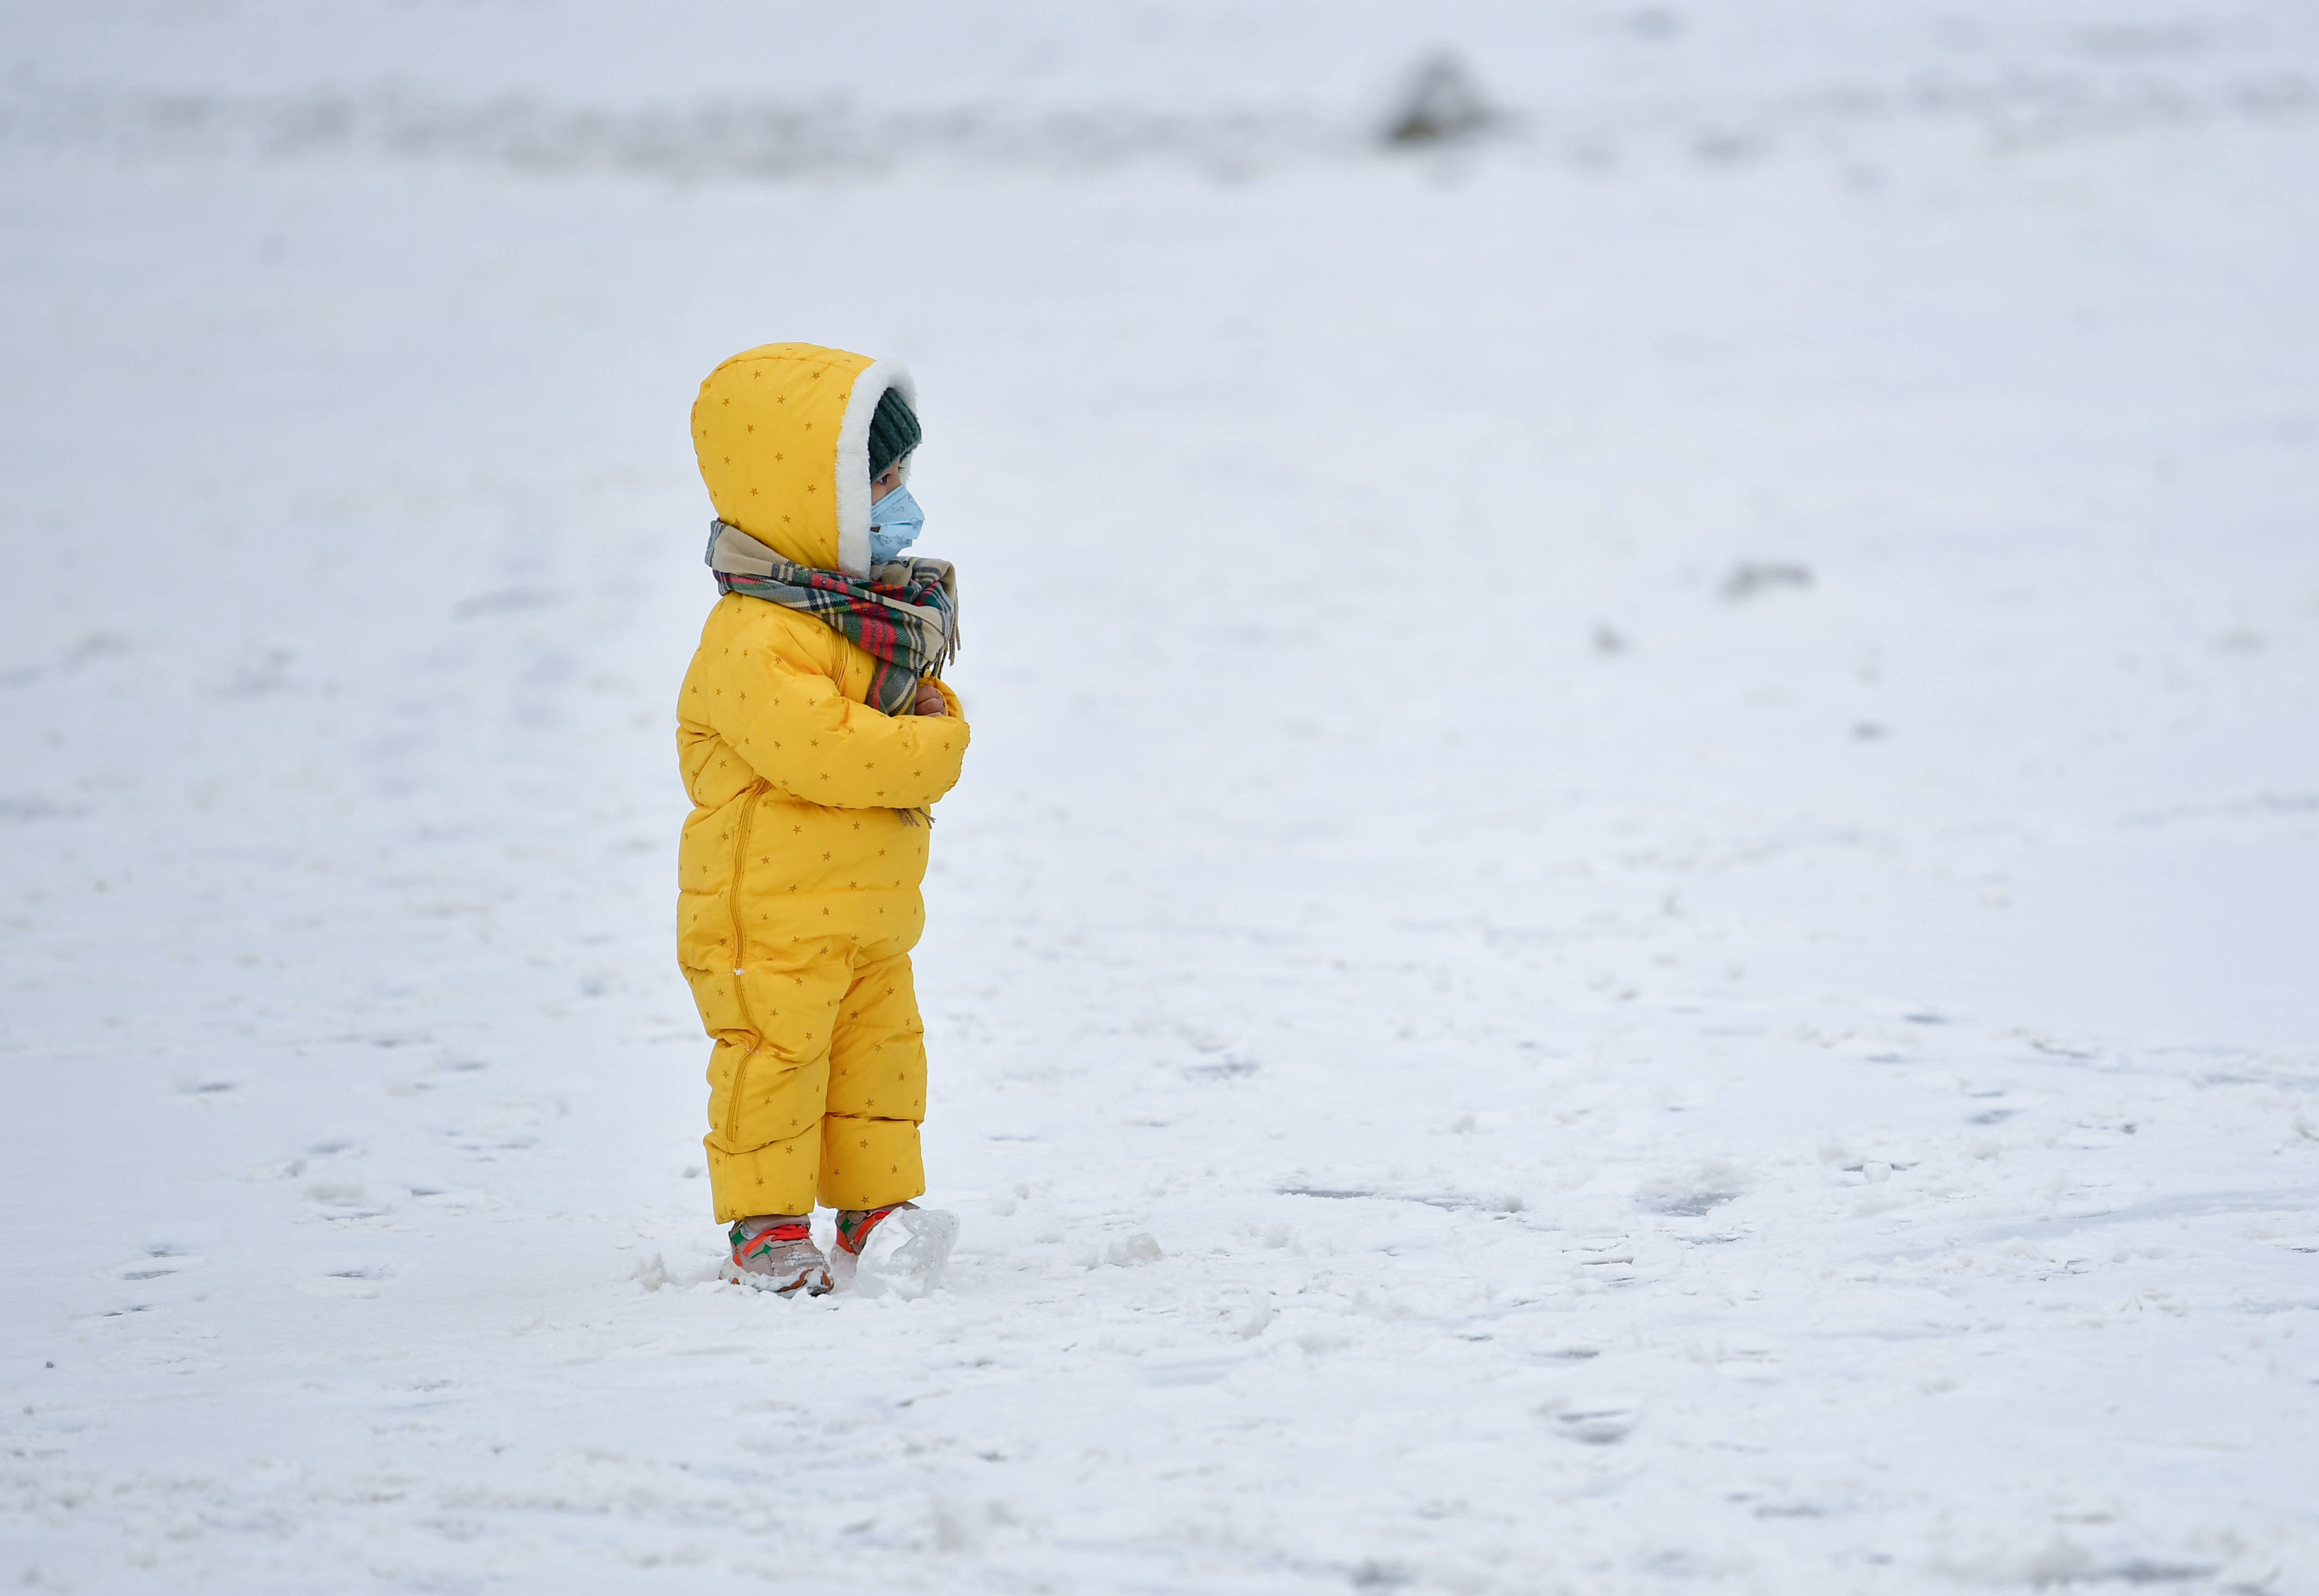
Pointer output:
775, 1252
856, 1226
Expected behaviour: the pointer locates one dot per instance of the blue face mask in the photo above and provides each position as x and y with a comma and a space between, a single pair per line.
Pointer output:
894, 524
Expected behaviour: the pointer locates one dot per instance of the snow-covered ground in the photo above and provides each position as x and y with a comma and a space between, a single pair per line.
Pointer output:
1635, 907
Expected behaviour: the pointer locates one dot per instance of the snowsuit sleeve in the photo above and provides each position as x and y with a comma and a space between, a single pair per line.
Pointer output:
806, 738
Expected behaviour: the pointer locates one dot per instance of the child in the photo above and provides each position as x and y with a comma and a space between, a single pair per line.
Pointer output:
814, 731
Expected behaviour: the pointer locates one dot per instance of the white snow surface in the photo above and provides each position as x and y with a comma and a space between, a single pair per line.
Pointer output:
1633, 911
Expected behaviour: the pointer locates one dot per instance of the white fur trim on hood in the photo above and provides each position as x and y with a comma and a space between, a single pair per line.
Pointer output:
854, 459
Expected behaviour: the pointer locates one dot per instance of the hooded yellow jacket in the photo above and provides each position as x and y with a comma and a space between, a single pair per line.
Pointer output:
799, 878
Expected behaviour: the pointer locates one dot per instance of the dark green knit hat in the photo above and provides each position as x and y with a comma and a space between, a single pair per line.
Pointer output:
893, 431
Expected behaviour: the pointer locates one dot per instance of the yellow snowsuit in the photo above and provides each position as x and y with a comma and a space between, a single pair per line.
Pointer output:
797, 901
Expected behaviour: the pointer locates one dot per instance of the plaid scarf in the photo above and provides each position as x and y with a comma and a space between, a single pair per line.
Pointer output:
904, 615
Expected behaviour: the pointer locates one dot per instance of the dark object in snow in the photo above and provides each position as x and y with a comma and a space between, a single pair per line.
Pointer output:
1441, 105
1752, 577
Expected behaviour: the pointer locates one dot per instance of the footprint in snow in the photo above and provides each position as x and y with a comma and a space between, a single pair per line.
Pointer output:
1596, 1422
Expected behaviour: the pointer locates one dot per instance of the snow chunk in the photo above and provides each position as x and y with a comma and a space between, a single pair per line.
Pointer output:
1142, 1247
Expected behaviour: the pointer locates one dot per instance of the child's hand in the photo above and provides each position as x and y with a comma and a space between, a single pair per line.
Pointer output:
930, 700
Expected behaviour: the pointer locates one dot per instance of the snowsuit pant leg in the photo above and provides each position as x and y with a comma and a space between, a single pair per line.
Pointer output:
877, 1091
768, 1081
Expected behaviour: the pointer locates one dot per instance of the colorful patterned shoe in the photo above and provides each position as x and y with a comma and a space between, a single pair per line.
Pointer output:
775, 1252
855, 1225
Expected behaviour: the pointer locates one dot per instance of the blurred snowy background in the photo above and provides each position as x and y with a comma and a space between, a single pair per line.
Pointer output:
1672, 948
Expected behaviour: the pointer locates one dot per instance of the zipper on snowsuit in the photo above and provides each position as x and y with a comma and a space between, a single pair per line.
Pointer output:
740, 963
